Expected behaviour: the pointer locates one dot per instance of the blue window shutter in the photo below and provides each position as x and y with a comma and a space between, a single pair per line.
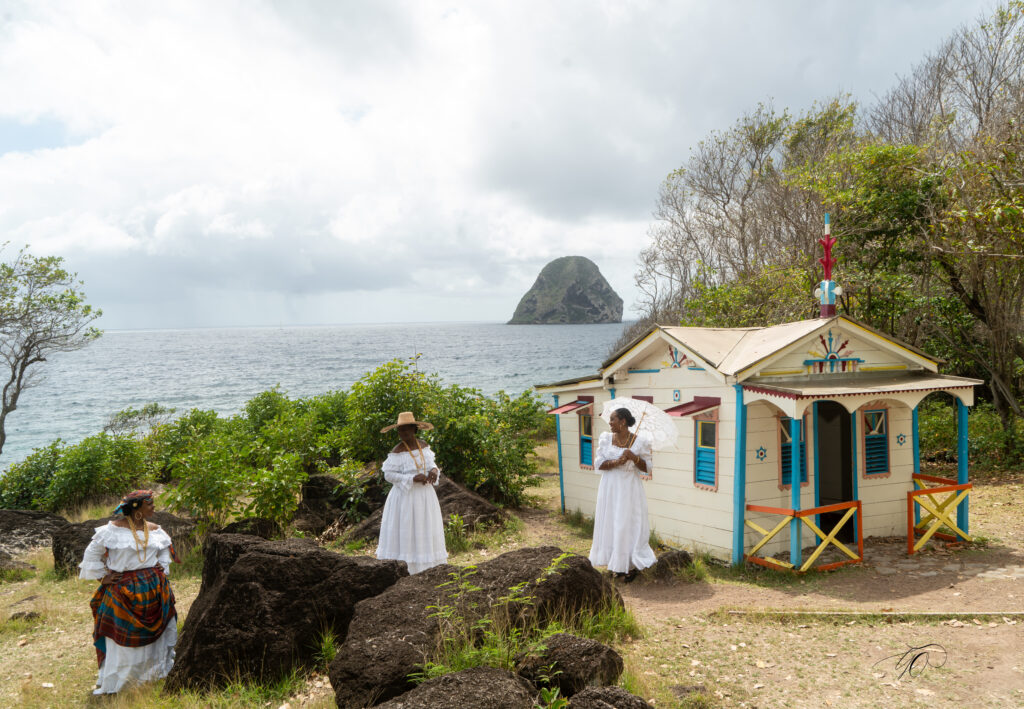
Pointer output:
786, 455
706, 466
586, 451
876, 445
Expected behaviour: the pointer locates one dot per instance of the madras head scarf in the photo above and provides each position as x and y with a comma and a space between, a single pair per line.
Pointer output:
133, 501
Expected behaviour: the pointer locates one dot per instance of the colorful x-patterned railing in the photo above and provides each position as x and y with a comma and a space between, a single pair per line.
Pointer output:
939, 511
853, 510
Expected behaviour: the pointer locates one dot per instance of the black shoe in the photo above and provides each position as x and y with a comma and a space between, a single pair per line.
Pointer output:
631, 576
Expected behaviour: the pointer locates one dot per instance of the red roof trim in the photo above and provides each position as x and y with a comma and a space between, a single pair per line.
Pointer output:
699, 403
830, 395
572, 406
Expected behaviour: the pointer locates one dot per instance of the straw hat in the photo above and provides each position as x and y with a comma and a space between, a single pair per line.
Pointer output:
406, 418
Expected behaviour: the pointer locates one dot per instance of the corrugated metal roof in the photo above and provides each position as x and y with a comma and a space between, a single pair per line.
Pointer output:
730, 350
841, 386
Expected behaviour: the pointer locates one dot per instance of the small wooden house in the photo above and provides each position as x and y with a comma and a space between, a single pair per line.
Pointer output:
828, 402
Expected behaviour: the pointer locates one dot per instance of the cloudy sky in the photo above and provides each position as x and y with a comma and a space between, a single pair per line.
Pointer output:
219, 162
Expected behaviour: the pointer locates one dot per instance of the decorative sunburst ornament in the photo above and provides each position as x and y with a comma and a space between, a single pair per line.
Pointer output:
762, 453
901, 439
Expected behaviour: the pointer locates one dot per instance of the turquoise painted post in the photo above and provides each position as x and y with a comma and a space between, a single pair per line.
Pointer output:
739, 481
817, 489
795, 552
961, 462
917, 460
853, 447
612, 392
558, 444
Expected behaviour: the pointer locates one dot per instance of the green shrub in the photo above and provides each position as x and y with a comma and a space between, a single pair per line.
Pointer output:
99, 466
482, 442
986, 442
24, 485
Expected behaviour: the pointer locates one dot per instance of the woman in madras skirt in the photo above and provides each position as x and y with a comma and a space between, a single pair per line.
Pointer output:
135, 624
411, 528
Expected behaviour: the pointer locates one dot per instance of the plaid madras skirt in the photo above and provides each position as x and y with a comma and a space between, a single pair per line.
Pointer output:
133, 612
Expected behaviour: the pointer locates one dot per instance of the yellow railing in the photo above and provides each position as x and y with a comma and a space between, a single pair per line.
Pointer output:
939, 511
853, 510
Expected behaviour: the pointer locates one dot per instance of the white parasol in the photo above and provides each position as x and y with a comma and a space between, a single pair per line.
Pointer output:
650, 420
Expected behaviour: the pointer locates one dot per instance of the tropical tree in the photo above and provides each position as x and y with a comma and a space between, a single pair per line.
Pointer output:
42, 311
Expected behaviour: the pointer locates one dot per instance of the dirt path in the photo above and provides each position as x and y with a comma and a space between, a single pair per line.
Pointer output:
734, 638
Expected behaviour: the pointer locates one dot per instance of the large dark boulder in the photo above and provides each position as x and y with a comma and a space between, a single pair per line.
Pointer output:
572, 664
607, 698
486, 687
327, 500
21, 530
393, 634
9, 563
570, 290
454, 498
263, 606
254, 526
70, 541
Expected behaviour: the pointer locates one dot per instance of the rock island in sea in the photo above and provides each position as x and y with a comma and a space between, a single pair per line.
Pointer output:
569, 290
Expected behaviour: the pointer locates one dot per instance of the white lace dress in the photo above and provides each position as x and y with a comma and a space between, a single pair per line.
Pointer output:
621, 527
124, 666
411, 529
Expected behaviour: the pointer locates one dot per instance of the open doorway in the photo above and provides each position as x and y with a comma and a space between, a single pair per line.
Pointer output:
835, 464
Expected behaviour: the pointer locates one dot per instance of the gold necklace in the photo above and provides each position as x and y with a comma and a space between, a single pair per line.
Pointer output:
141, 551
421, 464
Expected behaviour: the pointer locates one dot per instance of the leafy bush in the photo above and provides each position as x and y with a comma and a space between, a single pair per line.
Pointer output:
25, 483
986, 443
484, 443
99, 466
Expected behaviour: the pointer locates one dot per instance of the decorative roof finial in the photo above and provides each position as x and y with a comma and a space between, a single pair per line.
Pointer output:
827, 290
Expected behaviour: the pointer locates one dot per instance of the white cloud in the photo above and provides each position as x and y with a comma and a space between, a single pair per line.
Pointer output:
245, 163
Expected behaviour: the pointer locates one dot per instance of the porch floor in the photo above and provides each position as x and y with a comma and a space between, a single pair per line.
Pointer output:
888, 557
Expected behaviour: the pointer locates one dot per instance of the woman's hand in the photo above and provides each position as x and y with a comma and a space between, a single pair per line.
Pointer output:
419, 478
111, 577
432, 476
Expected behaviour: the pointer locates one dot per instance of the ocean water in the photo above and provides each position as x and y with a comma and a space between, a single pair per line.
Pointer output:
221, 369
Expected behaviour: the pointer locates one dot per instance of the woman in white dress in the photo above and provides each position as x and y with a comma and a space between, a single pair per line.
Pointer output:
621, 527
411, 528
135, 623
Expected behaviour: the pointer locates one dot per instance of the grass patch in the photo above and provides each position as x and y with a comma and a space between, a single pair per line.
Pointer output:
191, 562
699, 570
580, 522
327, 649
456, 535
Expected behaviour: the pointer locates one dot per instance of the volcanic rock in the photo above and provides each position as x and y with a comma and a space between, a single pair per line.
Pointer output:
569, 290
21, 530
264, 605
454, 498
253, 526
668, 563
607, 698
572, 664
477, 687
393, 634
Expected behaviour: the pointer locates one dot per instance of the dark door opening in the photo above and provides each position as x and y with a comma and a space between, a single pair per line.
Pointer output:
835, 465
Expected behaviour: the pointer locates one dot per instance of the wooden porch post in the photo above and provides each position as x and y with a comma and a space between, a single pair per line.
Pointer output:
961, 462
795, 551
558, 444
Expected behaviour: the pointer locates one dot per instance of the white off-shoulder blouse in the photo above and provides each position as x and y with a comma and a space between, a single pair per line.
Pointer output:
114, 548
